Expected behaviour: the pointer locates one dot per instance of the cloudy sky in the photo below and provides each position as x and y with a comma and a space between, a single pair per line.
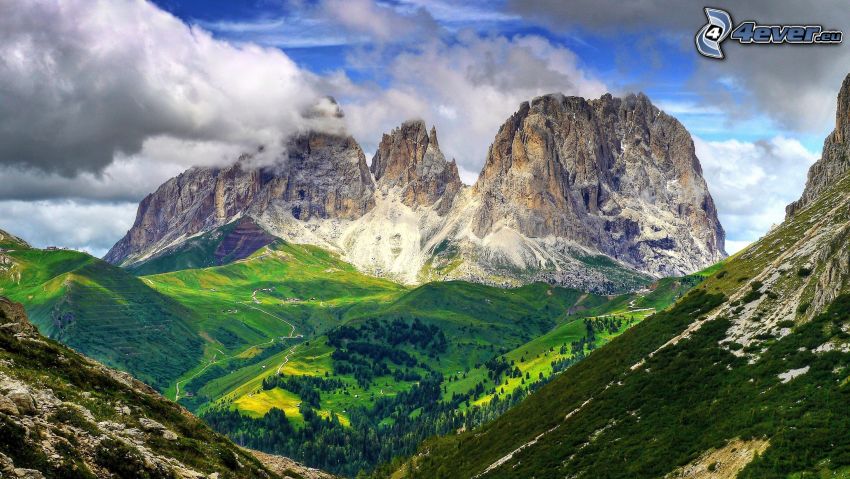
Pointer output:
103, 100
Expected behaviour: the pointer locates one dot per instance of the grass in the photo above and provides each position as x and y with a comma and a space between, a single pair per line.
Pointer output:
480, 321
104, 312
72, 379
270, 313
626, 413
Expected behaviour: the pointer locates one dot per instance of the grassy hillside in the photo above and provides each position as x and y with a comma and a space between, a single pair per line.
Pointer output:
299, 341
744, 377
231, 242
264, 305
102, 311
65, 416
479, 323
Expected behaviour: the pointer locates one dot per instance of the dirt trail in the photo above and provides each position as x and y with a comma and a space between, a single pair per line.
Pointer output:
215, 359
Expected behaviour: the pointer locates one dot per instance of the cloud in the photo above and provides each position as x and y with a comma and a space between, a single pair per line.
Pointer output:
751, 182
795, 86
127, 178
467, 88
85, 81
381, 23
87, 226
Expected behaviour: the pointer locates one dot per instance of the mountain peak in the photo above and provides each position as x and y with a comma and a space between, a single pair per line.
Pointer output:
602, 173
834, 161
409, 158
8, 241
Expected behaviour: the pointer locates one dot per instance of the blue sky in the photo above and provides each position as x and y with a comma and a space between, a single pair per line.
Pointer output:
629, 61
207, 78
636, 59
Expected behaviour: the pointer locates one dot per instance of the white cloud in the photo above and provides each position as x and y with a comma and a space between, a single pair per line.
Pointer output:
84, 81
87, 226
127, 178
752, 182
733, 246
381, 23
749, 81
467, 88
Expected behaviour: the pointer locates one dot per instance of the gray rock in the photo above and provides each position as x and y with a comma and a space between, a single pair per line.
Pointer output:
409, 158
613, 174
23, 400
324, 176
28, 474
834, 161
7, 406
150, 425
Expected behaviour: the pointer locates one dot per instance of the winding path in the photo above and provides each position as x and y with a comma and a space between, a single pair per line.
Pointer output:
213, 360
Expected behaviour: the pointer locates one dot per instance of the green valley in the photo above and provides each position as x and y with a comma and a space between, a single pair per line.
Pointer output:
102, 311
754, 362
291, 338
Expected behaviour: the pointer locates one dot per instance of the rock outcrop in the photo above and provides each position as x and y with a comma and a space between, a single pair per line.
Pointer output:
409, 158
323, 176
599, 194
287, 468
64, 415
835, 158
615, 175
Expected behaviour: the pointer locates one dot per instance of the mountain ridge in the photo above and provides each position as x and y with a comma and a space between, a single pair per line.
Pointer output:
746, 376
580, 221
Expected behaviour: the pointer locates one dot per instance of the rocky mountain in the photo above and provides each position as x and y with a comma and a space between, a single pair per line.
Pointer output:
834, 161
324, 176
65, 416
746, 376
615, 175
602, 195
410, 159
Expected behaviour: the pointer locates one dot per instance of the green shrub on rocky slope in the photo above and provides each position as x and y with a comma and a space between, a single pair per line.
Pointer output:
747, 376
65, 416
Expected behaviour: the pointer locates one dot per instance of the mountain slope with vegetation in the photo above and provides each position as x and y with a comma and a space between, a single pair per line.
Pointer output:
746, 376
65, 416
296, 352
101, 310
390, 362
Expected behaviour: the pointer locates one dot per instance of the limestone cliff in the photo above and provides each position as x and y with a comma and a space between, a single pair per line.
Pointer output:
322, 176
409, 158
596, 194
616, 175
834, 161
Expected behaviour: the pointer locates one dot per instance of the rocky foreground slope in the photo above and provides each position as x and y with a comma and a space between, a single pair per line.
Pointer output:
65, 416
747, 376
600, 194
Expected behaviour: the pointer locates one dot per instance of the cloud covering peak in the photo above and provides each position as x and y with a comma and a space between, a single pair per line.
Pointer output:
85, 81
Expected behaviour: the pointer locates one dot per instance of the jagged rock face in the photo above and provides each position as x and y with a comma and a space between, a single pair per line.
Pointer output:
323, 176
409, 158
834, 161
590, 194
617, 175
